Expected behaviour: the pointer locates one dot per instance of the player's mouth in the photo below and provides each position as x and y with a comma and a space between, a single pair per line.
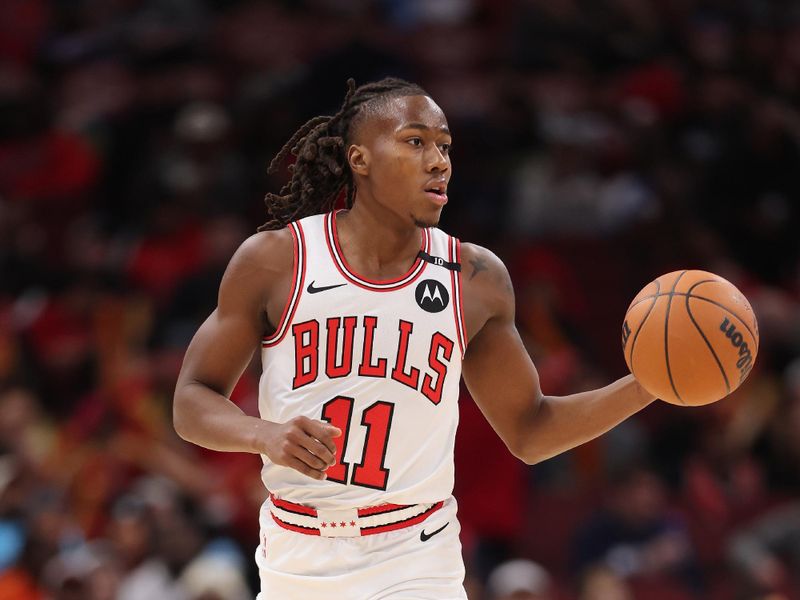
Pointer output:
437, 191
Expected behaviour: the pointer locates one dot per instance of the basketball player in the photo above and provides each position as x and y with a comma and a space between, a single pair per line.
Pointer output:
366, 318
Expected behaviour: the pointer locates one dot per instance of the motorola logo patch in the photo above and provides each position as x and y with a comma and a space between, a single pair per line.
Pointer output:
432, 296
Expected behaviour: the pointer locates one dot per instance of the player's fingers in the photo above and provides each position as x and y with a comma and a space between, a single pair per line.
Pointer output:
324, 432
319, 450
310, 459
299, 465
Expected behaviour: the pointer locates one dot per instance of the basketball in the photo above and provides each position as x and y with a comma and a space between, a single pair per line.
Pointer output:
690, 337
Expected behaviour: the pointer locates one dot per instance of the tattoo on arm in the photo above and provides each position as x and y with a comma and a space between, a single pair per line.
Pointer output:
478, 265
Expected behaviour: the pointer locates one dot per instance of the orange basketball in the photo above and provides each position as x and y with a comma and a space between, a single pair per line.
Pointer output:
690, 337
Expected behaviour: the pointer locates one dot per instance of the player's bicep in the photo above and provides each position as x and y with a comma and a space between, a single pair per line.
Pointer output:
220, 351
224, 344
497, 369
503, 380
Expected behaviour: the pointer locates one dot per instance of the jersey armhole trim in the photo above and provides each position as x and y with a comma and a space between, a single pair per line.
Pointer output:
458, 305
298, 279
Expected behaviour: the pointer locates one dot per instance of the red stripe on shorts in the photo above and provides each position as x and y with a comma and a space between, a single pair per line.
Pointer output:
401, 524
292, 507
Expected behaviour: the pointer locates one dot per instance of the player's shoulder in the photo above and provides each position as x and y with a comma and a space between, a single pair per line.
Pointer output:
265, 243
486, 279
486, 283
476, 259
264, 252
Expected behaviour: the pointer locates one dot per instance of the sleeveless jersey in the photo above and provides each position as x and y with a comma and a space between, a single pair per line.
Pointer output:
380, 360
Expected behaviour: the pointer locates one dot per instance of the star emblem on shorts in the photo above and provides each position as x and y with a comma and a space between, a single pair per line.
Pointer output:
352, 523
323, 524
333, 524
343, 524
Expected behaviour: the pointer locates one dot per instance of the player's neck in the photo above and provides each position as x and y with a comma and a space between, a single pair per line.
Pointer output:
377, 246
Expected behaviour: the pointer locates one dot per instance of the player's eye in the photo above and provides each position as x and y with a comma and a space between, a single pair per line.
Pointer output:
415, 141
445, 148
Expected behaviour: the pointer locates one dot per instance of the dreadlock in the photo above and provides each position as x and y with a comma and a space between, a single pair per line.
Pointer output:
321, 171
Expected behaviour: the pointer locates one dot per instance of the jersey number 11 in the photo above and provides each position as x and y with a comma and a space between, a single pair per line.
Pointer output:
377, 418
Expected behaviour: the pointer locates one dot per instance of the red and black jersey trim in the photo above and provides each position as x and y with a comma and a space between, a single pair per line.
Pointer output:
381, 509
332, 240
458, 305
298, 279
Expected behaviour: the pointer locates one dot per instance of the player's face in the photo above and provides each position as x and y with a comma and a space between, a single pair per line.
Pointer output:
407, 155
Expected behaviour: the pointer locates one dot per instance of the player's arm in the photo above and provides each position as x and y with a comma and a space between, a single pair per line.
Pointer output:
504, 383
221, 350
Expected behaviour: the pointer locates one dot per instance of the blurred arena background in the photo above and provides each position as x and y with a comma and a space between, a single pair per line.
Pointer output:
597, 144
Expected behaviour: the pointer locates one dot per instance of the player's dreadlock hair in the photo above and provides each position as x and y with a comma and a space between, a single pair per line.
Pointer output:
321, 171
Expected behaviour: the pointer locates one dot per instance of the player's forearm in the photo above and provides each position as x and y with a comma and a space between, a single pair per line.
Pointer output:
209, 419
564, 422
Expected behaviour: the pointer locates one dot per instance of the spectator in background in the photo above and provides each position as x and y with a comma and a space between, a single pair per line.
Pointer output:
87, 572
570, 168
519, 579
132, 532
636, 535
602, 583
212, 578
778, 446
765, 553
195, 295
43, 167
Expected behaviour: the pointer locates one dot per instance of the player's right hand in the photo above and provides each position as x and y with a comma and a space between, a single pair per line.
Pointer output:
302, 444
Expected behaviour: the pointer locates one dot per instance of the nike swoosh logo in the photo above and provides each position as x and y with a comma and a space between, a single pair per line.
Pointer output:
426, 536
316, 290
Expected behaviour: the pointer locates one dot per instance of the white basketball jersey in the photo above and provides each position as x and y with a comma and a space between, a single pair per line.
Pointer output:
380, 360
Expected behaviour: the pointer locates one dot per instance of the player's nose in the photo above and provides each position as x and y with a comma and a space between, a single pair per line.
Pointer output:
436, 161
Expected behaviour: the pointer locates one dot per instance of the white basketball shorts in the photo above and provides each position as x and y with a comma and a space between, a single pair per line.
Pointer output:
418, 562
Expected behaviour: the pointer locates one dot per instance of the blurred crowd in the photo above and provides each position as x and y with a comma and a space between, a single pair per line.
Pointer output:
597, 145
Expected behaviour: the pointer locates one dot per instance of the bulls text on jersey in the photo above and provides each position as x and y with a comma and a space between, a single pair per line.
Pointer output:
340, 333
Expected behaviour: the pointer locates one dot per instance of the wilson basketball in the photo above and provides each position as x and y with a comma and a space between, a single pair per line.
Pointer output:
690, 337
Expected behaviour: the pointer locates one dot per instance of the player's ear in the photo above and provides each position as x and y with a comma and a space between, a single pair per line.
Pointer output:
358, 159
